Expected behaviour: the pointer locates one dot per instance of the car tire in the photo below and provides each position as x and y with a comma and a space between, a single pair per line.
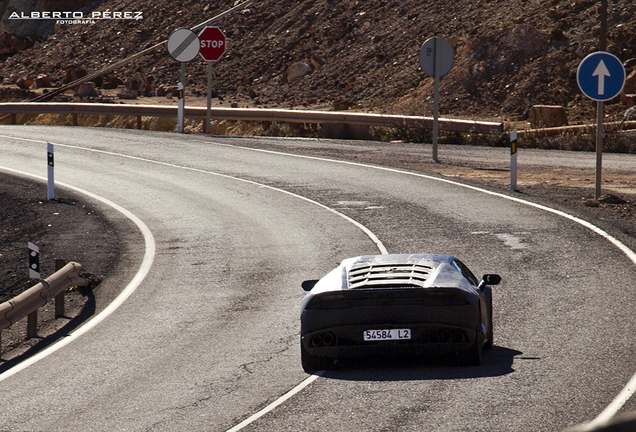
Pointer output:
490, 335
312, 363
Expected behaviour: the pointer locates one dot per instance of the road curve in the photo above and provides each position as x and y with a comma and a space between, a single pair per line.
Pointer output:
211, 334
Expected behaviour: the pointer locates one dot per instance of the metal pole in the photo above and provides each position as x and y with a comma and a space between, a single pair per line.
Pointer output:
438, 72
513, 160
599, 146
208, 115
600, 107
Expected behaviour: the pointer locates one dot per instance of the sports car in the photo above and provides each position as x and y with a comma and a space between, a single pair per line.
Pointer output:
413, 304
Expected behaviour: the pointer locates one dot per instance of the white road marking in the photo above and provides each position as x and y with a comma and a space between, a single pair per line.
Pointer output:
628, 391
277, 402
150, 252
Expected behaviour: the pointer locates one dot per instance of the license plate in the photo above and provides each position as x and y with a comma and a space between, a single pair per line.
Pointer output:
384, 335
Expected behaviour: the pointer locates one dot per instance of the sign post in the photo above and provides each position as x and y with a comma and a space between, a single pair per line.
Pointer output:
601, 77
436, 60
183, 46
213, 44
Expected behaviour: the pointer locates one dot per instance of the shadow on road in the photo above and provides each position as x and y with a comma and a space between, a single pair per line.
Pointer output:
86, 313
497, 361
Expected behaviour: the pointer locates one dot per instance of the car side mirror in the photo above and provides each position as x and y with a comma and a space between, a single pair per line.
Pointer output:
309, 284
491, 279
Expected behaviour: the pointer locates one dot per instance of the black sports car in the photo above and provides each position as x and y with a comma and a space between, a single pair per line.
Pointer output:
422, 304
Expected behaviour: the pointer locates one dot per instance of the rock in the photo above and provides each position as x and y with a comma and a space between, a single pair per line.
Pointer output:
138, 83
547, 116
591, 203
73, 73
528, 40
126, 93
628, 94
111, 82
10, 44
43, 81
86, 89
25, 82
298, 70
612, 199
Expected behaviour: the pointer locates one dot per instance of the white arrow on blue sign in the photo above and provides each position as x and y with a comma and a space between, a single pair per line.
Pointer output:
601, 76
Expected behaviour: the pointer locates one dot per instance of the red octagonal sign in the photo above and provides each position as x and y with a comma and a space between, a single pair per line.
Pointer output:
212, 43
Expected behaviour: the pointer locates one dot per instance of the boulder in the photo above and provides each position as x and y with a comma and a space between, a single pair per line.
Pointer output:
111, 82
298, 70
628, 94
138, 83
86, 89
126, 93
541, 116
25, 82
10, 44
73, 72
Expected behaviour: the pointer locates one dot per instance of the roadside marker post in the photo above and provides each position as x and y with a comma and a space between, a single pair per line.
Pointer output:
513, 160
34, 261
51, 173
180, 108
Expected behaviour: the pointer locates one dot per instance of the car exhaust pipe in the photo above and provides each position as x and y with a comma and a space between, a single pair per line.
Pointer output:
316, 341
327, 339
458, 337
446, 336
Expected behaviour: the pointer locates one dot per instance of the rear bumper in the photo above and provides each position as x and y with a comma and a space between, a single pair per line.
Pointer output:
426, 340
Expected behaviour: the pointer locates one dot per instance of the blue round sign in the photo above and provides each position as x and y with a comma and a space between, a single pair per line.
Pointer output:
601, 76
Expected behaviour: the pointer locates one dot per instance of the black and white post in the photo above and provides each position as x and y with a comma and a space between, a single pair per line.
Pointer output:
180, 108
513, 160
51, 169
34, 261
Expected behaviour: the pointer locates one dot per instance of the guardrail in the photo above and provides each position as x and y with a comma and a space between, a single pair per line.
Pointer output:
28, 302
248, 114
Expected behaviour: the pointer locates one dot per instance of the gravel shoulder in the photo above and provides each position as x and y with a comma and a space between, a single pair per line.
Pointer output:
72, 228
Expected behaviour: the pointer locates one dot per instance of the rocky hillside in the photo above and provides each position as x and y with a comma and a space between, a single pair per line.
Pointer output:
352, 54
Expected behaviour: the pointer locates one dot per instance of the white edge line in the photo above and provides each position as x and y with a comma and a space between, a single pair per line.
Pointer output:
277, 402
144, 268
630, 388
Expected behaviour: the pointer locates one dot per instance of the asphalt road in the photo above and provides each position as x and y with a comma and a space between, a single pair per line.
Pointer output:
210, 335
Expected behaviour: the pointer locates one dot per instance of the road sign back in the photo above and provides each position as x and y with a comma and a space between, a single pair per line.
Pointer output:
601, 76
427, 56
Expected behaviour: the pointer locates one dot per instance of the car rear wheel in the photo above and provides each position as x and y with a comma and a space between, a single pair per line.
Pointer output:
312, 363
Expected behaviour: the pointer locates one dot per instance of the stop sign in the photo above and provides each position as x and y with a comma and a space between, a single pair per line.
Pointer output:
212, 42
